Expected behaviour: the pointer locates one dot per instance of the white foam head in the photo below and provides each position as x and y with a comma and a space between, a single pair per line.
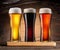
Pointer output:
29, 10
15, 10
45, 10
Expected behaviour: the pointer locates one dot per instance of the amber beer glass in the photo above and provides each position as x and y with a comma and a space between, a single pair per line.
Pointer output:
29, 16
15, 16
45, 15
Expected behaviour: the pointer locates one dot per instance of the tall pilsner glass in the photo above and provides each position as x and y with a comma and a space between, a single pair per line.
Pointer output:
15, 16
45, 15
29, 16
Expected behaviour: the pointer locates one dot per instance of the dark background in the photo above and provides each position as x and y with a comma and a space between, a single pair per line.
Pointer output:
5, 20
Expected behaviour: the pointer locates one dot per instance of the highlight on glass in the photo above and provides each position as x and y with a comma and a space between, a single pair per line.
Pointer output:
29, 17
45, 16
15, 17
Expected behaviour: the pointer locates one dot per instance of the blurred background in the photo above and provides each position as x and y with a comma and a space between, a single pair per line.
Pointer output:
37, 4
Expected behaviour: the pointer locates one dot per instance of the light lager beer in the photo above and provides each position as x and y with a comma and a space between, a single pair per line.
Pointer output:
15, 16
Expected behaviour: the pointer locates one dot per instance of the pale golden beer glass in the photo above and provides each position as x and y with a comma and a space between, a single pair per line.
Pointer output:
15, 18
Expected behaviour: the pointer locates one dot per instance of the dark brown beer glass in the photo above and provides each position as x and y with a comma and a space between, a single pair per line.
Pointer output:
29, 16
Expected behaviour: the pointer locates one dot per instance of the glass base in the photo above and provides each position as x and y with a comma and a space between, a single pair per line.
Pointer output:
17, 43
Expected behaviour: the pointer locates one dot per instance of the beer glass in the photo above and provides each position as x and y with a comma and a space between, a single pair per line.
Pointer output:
45, 16
29, 17
15, 16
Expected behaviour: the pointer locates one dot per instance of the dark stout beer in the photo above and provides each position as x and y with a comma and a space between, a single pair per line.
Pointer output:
29, 16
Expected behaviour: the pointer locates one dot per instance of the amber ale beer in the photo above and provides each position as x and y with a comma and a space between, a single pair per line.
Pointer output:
45, 15
29, 16
15, 16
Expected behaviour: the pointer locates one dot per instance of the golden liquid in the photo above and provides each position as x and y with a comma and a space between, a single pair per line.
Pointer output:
14, 22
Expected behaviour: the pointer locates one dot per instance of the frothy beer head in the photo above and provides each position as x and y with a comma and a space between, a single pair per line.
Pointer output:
29, 10
15, 10
45, 10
